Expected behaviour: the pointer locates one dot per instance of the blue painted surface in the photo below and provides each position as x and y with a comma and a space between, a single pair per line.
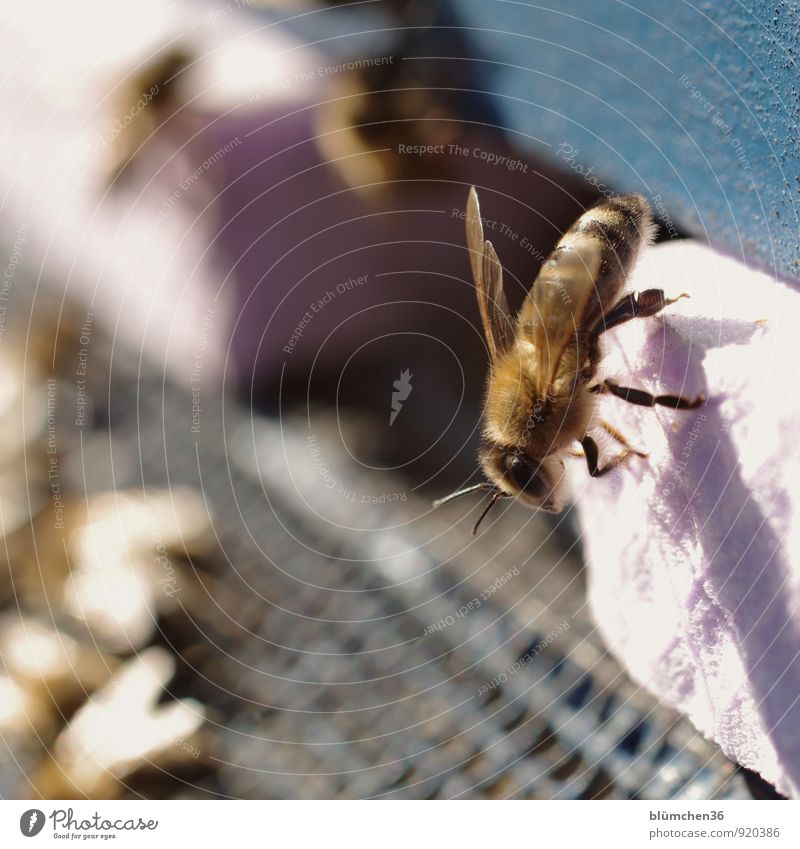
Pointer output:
695, 103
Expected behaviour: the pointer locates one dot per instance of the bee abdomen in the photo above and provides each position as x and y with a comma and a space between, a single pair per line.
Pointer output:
617, 222
617, 228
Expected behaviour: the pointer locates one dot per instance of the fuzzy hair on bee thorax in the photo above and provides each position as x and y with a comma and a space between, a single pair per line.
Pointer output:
518, 416
541, 414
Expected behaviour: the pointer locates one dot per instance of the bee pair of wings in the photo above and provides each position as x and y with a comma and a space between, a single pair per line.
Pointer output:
560, 297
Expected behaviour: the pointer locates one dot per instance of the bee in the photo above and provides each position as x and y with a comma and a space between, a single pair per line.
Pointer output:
153, 96
543, 387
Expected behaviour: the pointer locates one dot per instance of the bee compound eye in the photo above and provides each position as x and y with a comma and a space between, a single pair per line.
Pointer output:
527, 475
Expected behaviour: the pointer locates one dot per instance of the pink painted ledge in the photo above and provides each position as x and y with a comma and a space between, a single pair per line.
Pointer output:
694, 553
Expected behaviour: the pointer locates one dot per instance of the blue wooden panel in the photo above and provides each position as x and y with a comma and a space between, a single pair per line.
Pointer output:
695, 103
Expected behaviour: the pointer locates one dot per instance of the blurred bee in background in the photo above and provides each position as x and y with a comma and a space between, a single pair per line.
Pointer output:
415, 93
148, 99
543, 386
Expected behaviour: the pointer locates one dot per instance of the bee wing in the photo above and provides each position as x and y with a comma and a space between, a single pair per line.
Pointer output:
488, 276
561, 296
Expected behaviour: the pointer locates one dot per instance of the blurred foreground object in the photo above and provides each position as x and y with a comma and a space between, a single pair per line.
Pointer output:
317, 636
122, 574
694, 553
119, 730
207, 180
697, 102
47, 672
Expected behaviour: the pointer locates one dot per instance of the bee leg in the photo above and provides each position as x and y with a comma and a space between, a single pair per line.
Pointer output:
645, 399
593, 456
492, 501
636, 305
618, 437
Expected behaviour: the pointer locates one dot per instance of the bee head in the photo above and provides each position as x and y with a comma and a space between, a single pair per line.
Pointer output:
516, 474
512, 473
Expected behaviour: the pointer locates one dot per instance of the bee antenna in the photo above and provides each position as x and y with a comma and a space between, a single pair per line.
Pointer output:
498, 493
482, 486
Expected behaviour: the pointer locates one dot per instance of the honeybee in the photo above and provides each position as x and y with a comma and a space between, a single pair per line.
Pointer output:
153, 96
543, 388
